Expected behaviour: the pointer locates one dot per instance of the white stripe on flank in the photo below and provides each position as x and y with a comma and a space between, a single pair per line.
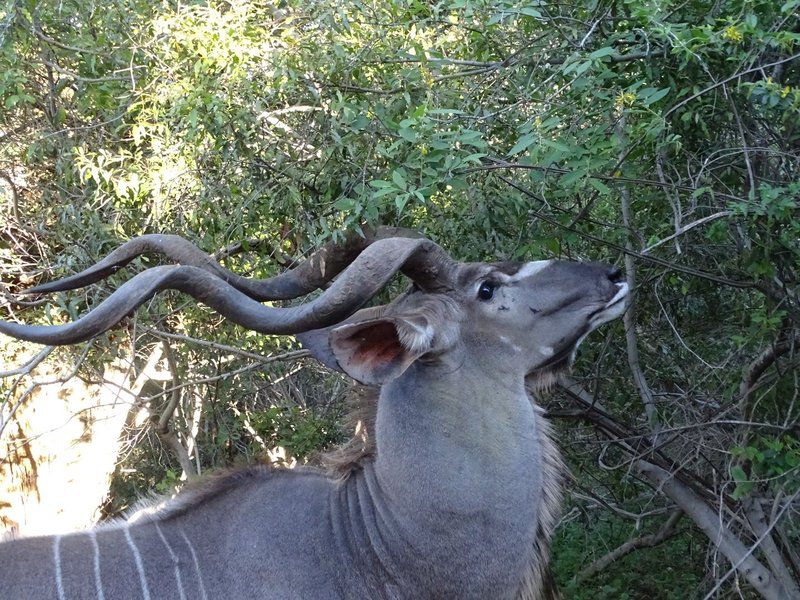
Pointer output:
57, 561
196, 565
98, 584
175, 561
139, 566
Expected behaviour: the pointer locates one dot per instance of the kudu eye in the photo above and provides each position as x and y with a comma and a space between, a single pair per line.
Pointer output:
486, 291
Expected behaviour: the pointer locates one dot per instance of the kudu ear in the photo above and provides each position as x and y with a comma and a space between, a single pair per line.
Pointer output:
371, 347
317, 341
376, 351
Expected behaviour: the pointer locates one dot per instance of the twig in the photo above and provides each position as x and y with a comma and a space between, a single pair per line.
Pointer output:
293, 355
726, 80
592, 28
629, 317
645, 541
651, 259
757, 519
59, 69
14, 194
499, 164
746, 557
163, 430
680, 231
30, 365
4, 421
207, 344
760, 364
46, 38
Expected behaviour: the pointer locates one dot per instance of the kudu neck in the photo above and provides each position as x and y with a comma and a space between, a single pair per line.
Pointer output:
457, 468
451, 425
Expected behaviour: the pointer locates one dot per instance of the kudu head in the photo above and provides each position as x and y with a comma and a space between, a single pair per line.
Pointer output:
511, 319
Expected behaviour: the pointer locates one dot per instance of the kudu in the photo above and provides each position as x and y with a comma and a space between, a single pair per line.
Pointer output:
457, 499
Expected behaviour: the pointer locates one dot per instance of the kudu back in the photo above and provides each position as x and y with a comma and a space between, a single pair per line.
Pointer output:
458, 497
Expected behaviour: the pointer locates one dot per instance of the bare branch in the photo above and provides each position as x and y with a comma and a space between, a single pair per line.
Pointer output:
293, 355
629, 318
683, 229
758, 522
30, 365
207, 344
727, 79
645, 541
166, 433
760, 364
715, 530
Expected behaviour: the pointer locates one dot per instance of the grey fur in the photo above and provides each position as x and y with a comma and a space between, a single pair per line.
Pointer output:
453, 492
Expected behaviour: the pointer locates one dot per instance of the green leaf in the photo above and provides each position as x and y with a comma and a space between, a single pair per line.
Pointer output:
523, 143
344, 204
385, 192
556, 145
530, 12
474, 158
568, 179
401, 201
601, 52
599, 185
407, 134
399, 179
652, 95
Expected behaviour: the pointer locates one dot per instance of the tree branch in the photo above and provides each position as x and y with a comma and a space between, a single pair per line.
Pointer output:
629, 317
30, 365
758, 522
726, 80
163, 430
645, 541
709, 522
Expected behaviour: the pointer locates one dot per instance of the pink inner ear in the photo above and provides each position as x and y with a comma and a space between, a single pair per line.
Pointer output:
376, 346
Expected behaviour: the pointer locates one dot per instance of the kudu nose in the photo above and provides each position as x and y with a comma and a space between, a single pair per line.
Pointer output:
615, 275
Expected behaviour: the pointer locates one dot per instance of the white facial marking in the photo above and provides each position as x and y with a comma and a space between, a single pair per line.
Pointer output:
621, 293
137, 558
528, 269
614, 307
98, 583
546, 351
57, 561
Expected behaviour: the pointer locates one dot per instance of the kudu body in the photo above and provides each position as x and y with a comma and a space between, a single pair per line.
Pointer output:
457, 499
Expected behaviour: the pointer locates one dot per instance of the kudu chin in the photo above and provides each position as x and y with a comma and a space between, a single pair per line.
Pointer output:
458, 494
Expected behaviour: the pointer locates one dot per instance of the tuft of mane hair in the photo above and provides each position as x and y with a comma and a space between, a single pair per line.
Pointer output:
199, 491
537, 581
347, 458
